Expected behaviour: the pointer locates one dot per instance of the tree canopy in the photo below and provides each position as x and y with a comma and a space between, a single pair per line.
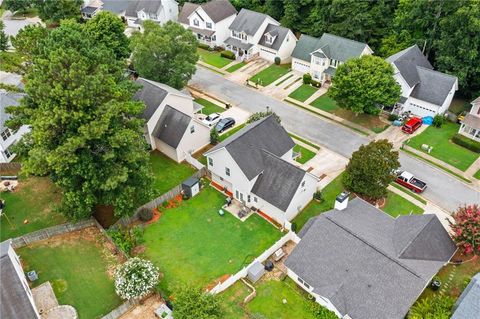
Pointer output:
56, 10
85, 131
195, 303
364, 84
17, 5
371, 169
166, 54
466, 228
3, 37
27, 41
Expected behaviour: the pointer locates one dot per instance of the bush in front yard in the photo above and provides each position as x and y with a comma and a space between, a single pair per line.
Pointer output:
317, 195
214, 137
315, 83
135, 278
438, 120
464, 141
228, 54
307, 78
193, 302
392, 117
277, 60
145, 214
467, 228
204, 46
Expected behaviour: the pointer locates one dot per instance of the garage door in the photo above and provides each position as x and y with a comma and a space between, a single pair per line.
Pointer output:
267, 54
300, 66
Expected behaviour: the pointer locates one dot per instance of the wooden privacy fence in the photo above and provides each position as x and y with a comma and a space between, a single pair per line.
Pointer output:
121, 310
8, 167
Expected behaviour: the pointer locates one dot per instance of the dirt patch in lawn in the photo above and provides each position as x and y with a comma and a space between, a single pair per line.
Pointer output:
145, 310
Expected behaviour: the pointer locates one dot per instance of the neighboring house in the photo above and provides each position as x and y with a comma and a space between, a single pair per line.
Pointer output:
425, 92
246, 31
364, 264
117, 7
7, 136
159, 11
320, 57
16, 298
255, 165
468, 305
171, 126
471, 122
276, 41
208, 21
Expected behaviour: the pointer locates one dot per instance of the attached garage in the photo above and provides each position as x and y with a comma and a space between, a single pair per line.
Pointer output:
300, 66
267, 54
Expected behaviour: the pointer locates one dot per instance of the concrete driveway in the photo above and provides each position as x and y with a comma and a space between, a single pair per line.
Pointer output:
326, 165
12, 27
240, 116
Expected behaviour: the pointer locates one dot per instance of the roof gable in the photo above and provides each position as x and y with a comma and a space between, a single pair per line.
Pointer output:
217, 10
248, 21
407, 61
433, 87
279, 32
171, 126
148, 6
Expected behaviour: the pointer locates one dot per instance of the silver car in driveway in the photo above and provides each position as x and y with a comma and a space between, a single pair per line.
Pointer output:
211, 119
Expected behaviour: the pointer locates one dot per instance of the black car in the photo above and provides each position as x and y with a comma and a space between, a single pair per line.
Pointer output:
224, 124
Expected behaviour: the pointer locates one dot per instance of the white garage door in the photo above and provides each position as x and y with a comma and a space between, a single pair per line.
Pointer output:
268, 55
300, 66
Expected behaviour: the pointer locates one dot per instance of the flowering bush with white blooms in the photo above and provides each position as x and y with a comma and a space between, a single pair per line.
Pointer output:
135, 278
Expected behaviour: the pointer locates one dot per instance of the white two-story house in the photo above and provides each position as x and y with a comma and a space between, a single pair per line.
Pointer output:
208, 21
246, 32
255, 165
276, 41
7, 136
159, 11
171, 126
425, 92
320, 57
471, 122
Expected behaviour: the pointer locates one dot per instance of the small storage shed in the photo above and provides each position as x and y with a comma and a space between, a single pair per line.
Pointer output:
191, 187
255, 272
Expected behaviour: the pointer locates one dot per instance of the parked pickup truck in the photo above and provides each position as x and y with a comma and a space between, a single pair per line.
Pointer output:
409, 181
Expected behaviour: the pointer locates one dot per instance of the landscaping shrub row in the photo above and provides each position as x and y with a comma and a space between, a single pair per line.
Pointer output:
205, 47
228, 54
463, 141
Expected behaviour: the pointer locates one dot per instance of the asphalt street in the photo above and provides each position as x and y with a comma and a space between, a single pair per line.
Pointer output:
443, 189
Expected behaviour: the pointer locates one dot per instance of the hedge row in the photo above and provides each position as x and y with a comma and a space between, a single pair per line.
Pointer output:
205, 46
228, 54
463, 141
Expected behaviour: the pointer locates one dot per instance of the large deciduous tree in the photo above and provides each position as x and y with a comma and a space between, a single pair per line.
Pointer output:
56, 10
466, 229
108, 29
364, 84
166, 54
85, 131
371, 169
27, 41
195, 303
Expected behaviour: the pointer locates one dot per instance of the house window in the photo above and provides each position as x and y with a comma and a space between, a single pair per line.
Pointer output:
316, 75
227, 171
300, 280
6, 134
303, 184
209, 25
236, 194
288, 38
214, 38
210, 161
248, 198
317, 61
268, 39
7, 153
192, 129
255, 199
195, 22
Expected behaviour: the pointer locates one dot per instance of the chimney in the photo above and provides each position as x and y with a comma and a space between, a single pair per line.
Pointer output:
341, 202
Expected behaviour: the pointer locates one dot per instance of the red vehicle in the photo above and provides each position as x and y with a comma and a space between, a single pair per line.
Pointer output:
412, 125
409, 181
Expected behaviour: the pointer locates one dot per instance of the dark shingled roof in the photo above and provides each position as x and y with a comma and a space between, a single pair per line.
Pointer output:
279, 181
7, 99
217, 10
468, 305
151, 94
333, 46
368, 264
115, 6
470, 120
247, 146
407, 61
171, 126
274, 30
149, 6
238, 43
14, 302
88, 10
248, 21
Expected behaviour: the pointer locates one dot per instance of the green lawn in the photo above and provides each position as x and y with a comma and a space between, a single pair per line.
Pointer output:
168, 173
209, 107
409, 192
397, 205
315, 146
477, 174
303, 92
213, 58
78, 269
231, 131
314, 208
268, 302
371, 122
443, 148
235, 67
33, 200
305, 154
11, 62
270, 74
192, 244
285, 79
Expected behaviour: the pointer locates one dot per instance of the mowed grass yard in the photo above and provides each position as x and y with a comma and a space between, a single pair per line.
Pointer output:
235, 67
396, 205
231, 131
271, 74
305, 154
268, 302
33, 201
193, 244
168, 173
303, 92
371, 122
209, 107
444, 149
213, 58
79, 267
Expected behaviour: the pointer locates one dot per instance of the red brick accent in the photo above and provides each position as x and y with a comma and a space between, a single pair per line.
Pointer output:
220, 188
269, 219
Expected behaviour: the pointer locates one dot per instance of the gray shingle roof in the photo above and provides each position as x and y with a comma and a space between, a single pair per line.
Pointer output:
472, 121
171, 126
351, 257
434, 86
278, 182
248, 21
14, 302
149, 6
7, 99
274, 30
247, 146
186, 11
468, 305
238, 44
88, 9
407, 61
217, 10
333, 46
116, 6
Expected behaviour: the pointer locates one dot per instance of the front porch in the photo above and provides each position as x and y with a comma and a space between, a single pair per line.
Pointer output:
242, 50
204, 36
470, 127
